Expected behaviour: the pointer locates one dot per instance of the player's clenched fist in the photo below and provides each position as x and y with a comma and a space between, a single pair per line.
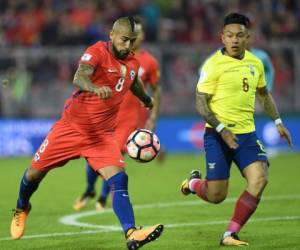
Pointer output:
230, 138
103, 92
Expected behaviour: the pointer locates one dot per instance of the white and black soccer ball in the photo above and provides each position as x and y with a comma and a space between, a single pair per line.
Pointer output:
142, 145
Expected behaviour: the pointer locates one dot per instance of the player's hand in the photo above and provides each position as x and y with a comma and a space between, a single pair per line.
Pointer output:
283, 131
229, 138
103, 92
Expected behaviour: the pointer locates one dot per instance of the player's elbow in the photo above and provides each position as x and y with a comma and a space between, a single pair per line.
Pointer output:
201, 110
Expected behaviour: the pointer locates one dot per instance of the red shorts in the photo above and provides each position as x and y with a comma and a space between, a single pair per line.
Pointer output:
64, 143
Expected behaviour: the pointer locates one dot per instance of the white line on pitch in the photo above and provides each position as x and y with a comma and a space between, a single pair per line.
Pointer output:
72, 219
281, 218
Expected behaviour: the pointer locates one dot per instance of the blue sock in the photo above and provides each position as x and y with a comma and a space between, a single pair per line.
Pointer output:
91, 179
104, 191
120, 200
26, 190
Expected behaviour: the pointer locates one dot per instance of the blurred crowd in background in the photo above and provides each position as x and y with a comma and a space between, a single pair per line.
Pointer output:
42, 40
73, 22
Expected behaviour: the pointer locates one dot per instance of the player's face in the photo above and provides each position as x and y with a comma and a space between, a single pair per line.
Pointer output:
122, 42
235, 38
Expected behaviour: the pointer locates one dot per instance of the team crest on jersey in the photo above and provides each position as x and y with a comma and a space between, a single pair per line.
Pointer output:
86, 57
123, 71
252, 71
132, 74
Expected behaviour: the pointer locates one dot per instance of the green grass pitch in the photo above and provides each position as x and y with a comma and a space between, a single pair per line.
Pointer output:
190, 223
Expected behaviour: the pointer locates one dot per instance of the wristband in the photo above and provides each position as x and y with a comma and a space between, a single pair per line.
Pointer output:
278, 121
146, 99
220, 127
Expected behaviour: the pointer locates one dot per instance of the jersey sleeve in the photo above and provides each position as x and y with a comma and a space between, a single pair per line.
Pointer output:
91, 56
262, 77
154, 74
208, 78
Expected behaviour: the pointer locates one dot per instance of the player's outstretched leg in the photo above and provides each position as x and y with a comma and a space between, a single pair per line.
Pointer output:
27, 188
101, 202
122, 207
89, 193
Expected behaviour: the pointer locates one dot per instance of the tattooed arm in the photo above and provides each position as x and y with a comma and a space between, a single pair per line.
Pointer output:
202, 106
267, 102
82, 80
269, 106
202, 100
138, 89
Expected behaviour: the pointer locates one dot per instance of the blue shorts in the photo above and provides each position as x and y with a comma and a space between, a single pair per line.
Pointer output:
219, 156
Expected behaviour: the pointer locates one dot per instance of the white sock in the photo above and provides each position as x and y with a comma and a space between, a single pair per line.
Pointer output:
226, 234
190, 184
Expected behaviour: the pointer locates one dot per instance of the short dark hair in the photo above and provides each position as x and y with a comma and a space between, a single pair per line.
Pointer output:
237, 18
132, 22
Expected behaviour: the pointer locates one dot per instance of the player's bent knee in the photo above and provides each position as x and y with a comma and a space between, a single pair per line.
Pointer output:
35, 175
217, 198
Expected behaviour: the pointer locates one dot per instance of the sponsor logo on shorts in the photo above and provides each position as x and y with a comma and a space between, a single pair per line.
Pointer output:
262, 154
121, 161
212, 165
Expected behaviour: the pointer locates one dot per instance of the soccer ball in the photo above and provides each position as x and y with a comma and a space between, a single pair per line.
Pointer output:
142, 145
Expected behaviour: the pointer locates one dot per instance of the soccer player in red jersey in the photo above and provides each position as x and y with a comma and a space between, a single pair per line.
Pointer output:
106, 71
132, 115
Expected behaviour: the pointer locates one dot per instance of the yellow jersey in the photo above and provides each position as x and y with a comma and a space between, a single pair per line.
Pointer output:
232, 83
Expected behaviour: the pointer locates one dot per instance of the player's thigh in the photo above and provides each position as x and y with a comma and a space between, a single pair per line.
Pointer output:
218, 157
61, 145
103, 153
251, 150
256, 170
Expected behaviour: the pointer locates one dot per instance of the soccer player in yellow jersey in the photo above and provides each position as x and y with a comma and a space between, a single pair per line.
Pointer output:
225, 97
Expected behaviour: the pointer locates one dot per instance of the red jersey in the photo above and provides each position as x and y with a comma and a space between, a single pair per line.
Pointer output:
85, 111
149, 73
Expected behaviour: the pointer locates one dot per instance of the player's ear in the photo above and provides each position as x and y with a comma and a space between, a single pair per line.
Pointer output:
111, 35
222, 37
